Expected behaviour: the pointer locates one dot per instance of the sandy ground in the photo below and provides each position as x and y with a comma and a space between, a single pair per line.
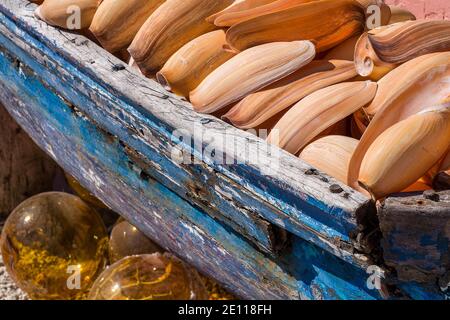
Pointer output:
8, 290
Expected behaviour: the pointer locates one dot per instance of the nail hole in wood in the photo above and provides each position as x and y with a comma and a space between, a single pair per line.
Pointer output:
144, 175
118, 67
335, 188
431, 195
311, 172
205, 121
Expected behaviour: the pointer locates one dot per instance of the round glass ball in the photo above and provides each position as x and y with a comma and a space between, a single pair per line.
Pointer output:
126, 240
149, 277
54, 246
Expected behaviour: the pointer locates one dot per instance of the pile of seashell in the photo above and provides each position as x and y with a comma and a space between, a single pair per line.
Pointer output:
370, 107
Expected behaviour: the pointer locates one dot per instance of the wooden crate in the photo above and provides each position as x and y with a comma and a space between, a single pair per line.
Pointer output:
268, 226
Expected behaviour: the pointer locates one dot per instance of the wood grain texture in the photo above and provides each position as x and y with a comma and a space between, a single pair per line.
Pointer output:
144, 116
416, 236
101, 162
25, 170
117, 145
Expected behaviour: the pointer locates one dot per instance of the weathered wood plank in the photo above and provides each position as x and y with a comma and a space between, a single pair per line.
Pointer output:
416, 237
143, 115
101, 162
208, 193
98, 160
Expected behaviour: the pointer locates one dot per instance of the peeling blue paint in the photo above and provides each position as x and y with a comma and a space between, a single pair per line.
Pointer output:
85, 152
93, 150
308, 218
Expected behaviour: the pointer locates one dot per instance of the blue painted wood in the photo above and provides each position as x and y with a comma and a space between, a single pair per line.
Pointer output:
144, 116
416, 237
117, 142
319, 279
175, 177
100, 162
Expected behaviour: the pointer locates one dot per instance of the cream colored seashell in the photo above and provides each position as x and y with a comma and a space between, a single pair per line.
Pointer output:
231, 18
344, 19
367, 63
117, 22
319, 111
389, 46
405, 152
171, 26
187, 68
250, 71
67, 14
403, 92
330, 154
238, 6
262, 105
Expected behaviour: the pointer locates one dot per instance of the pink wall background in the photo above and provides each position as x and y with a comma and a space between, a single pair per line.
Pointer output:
431, 9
